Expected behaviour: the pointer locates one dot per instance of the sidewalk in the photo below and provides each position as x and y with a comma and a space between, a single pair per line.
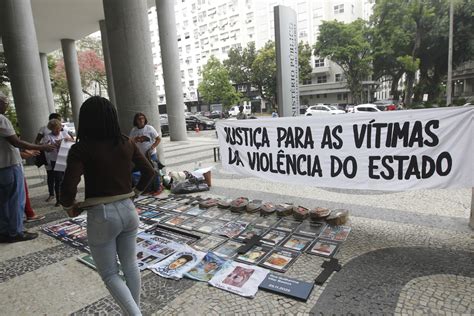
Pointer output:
408, 253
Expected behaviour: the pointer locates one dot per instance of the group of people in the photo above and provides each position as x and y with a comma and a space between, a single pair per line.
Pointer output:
105, 158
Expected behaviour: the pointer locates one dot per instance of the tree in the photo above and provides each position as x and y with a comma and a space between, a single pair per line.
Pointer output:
3, 70
92, 69
239, 63
304, 62
60, 87
264, 70
215, 85
348, 46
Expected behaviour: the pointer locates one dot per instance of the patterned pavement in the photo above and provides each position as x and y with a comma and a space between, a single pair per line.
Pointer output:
408, 253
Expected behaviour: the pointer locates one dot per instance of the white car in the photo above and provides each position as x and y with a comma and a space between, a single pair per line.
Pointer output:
319, 109
368, 107
233, 111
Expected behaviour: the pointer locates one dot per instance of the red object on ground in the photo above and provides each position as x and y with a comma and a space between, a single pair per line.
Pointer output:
197, 129
28, 209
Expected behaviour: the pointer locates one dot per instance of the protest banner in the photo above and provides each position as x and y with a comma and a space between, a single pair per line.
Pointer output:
394, 151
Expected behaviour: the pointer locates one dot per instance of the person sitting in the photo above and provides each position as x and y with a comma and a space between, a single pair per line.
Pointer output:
145, 137
241, 115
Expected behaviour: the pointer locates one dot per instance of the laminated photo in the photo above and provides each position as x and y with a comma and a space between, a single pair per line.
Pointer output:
231, 229
208, 243
239, 278
251, 231
309, 228
206, 268
212, 212
266, 222
324, 248
210, 225
280, 259
177, 264
274, 237
228, 249
297, 242
287, 225
336, 233
195, 211
176, 220
193, 223
254, 255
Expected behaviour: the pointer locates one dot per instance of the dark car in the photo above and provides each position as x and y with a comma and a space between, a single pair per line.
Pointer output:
200, 121
164, 125
215, 115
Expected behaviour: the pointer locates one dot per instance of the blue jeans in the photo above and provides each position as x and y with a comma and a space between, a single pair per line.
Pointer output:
12, 200
112, 230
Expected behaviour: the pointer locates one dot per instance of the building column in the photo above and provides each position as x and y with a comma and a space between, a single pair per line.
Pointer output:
108, 65
73, 77
22, 56
47, 82
171, 69
129, 42
471, 219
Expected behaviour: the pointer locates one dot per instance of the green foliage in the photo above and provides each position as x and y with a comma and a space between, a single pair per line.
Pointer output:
348, 46
239, 63
215, 86
304, 62
264, 72
3, 70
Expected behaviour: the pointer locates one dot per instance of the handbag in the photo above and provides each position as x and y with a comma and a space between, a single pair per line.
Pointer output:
40, 159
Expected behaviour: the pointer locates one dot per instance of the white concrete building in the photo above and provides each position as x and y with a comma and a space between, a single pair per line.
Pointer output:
211, 27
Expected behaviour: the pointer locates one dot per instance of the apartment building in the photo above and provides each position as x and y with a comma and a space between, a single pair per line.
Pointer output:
212, 27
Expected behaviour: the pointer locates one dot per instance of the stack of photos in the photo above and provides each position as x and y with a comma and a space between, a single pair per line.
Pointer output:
251, 231
228, 249
231, 229
152, 249
312, 229
239, 278
324, 248
335, 233
254, 255
174, 235
207, 268
208, 243
287, 225
274, 237
280, 259
297, 242
210, 225
177, 264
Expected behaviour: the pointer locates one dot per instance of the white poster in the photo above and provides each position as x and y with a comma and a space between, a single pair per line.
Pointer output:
396, 150
62, 155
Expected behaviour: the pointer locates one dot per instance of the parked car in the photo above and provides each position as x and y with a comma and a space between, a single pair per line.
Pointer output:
235, 110
322, 109
200, 121
164, 125
386, 105
368, 107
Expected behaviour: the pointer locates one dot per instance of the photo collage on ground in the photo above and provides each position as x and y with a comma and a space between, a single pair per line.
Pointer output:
185, 236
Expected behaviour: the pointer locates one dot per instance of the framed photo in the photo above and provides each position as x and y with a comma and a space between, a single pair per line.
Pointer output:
228, 216
254, 255
176, 220
193, 223
312, 229
210, 225
274, 237
280, 259
212, 212
208, 243
228, 249
297, 242
266, 221
335, 233
251, 231
174, 234
324, 248
231, 229
195, 211
287, 225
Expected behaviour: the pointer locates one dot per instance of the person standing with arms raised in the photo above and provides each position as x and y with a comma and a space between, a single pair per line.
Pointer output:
106, 157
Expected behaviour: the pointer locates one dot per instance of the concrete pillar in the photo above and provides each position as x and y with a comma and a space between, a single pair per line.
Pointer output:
47, 82
171, 70
22, 57
129, 41
471, 220
108, 65
73, 77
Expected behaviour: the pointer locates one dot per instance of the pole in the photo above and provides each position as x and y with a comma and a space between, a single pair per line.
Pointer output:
449, 84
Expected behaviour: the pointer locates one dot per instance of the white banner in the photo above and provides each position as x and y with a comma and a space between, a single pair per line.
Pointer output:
395, 150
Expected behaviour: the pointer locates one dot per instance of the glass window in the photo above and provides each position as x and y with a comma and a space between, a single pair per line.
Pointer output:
319, 62
339, 9
322, 79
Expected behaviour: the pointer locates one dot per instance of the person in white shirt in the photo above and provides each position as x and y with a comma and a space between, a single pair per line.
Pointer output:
54, 178
145, 136
12, 190
44, 130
